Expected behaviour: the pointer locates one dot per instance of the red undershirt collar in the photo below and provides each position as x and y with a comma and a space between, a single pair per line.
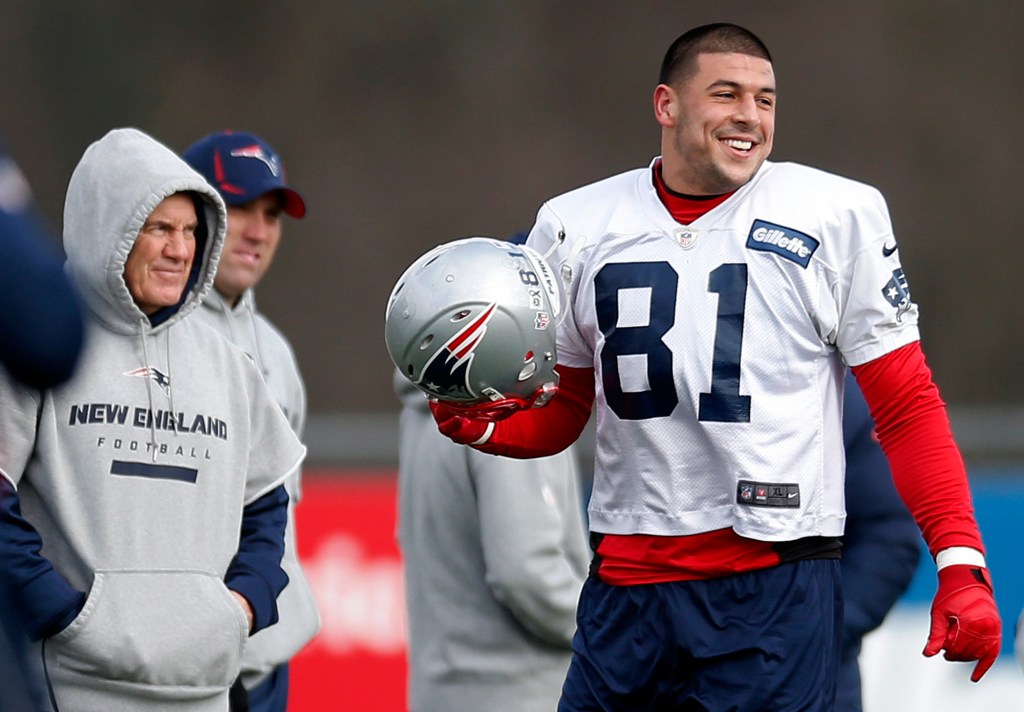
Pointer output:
684, 208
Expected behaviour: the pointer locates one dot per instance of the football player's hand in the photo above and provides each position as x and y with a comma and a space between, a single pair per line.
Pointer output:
965, 620
459, 427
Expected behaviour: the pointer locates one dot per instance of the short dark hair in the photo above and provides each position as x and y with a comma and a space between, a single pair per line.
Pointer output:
681, 58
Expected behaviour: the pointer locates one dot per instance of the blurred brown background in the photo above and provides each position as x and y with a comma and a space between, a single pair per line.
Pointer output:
406, 124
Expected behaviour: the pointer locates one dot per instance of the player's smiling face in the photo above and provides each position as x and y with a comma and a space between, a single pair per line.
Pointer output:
718, 123
254, 230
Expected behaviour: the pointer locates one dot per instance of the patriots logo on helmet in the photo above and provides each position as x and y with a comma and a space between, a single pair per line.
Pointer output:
161, 378
447, 372
256, 151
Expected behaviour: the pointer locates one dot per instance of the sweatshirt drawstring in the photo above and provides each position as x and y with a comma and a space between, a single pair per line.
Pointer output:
170, 391
165, 384
149, 391
250, 311
246, 304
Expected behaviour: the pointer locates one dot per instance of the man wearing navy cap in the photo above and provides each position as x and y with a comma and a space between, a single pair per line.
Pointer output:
250, 177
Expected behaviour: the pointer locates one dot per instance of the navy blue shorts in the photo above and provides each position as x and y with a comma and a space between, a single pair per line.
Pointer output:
758, 641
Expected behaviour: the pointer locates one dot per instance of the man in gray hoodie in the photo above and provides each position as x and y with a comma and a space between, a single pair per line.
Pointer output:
250, 177
142, 522
494, 555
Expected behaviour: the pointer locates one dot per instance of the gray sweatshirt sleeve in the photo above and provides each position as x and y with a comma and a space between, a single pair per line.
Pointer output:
533, 540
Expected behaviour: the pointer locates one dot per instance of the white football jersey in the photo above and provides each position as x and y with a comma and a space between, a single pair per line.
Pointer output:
720, 347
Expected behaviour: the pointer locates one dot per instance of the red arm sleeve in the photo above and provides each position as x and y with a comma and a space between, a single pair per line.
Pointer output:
545, 431
914, 432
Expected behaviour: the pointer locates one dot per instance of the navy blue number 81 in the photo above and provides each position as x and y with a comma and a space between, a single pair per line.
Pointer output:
723, 403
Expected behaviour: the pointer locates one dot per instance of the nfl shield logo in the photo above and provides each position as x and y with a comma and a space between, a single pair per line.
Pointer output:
746, 492
686, 236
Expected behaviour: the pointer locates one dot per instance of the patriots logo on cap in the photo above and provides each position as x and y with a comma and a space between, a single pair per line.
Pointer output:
447, 372
161, 378
256, 151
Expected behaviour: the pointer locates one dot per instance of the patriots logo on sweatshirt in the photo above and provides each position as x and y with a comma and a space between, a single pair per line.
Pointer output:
161, 378
447, 373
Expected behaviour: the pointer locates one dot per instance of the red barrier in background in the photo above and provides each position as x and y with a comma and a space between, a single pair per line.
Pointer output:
346, 530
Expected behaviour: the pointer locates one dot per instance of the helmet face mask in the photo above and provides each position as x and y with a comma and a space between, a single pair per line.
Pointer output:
472, 323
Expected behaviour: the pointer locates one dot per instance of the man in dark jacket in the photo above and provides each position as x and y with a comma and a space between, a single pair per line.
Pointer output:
881, 544
41, 332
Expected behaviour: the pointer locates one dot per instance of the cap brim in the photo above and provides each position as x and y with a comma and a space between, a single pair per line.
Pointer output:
294, 205
291, 202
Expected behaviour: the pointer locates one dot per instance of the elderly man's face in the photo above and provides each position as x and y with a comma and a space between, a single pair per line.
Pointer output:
158, 266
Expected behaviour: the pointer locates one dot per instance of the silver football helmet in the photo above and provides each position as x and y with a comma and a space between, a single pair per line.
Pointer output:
472, 323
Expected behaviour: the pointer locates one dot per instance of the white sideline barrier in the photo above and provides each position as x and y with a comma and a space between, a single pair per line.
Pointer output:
898, 678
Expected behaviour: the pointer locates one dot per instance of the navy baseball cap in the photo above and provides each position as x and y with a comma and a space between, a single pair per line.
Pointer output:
242, 167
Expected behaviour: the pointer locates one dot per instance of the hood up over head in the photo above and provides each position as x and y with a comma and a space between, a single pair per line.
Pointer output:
117, 184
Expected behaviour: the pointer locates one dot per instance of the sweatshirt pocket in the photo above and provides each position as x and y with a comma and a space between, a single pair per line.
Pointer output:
160, 628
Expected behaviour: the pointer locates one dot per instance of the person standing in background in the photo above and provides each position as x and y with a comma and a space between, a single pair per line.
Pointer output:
881, 543
42, 329
250, 177
494, 554
42, 326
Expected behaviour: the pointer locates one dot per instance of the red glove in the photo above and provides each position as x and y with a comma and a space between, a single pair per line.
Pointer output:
965, 620
458, 427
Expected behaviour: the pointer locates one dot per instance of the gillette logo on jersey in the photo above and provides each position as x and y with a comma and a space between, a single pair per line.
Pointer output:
447, 372
786, 242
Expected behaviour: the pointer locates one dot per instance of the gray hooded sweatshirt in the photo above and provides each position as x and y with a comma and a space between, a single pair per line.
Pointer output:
495, 553
252, 332
135, 473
